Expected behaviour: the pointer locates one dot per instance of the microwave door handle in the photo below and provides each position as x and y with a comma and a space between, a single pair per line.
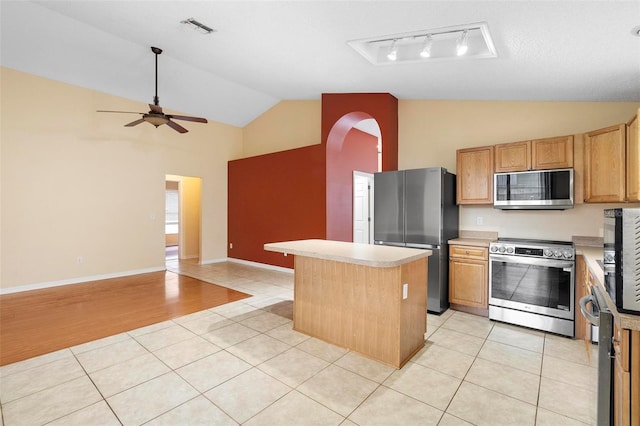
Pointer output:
588, 314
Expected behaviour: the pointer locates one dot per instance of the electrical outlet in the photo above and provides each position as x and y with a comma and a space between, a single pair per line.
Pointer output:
230, 245
479, 220
405, 291
79, 260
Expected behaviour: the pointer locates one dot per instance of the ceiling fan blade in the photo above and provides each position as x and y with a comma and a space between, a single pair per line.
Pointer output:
156, 108
176, 127
188, 118
121, 112
134, 123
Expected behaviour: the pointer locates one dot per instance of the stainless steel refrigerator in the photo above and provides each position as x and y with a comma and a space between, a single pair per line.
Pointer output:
417, 208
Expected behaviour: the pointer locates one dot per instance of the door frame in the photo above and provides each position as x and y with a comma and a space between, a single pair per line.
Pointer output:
369, 178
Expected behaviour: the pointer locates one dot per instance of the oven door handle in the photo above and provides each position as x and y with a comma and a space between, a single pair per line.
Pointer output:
552, 263
588, 313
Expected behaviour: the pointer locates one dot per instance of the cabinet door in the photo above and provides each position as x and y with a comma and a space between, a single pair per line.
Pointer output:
468, 282
552, 153
469, 252
513, 157
633, 161
621, 377
604, 163
583, 327
474, 175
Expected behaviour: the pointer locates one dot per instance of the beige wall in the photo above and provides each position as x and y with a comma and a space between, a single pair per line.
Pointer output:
77, 184
287, 125
430, 132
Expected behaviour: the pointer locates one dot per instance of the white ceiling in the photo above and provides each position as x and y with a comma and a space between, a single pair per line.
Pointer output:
266, 51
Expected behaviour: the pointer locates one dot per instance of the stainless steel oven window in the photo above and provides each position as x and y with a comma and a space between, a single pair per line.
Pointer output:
541, 286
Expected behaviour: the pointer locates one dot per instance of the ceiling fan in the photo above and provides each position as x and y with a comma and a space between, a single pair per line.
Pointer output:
155, 115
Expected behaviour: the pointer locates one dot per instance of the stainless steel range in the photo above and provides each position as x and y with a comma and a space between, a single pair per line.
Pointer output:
531, 283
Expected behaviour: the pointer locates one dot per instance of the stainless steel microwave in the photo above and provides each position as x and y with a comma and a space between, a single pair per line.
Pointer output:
621, 258
534, 190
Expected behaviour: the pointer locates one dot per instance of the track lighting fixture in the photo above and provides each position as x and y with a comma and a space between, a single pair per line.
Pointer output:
467, 41
426, 50
393, 51
462, 46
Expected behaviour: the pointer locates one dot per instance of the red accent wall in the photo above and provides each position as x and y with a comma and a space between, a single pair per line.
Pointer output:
289, 195
276, 197
358, 152
381, 106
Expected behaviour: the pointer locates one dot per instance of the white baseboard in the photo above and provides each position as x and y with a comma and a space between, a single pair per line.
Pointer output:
260, 265
49, 284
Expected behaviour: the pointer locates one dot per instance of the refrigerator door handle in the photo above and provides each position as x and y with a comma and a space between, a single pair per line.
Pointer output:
424, 246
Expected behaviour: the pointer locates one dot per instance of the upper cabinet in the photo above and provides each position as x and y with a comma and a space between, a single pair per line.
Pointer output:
474, 170
604, 165
539, 154
552, 153
633, 160
513, 157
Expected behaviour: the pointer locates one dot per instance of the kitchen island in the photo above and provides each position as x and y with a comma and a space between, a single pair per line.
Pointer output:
366, 298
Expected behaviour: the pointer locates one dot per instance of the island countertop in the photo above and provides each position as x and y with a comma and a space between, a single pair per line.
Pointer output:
357, 253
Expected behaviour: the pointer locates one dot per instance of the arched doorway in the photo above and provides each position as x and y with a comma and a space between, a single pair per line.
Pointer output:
350, 149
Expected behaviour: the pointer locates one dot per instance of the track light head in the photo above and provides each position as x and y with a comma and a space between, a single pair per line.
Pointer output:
393, 51
462, 46
426, 50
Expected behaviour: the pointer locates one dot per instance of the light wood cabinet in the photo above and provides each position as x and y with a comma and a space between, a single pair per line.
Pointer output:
604, 165
626, 376
538, 154
513, 157
474, 175
552, 153
583, 327
468, 279
633, 160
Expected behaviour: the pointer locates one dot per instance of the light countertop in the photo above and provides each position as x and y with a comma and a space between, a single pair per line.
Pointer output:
476, 242
474, 238
356, 253
591, 254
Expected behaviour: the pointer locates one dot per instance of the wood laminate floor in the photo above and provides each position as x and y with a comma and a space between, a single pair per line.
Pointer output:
41, 321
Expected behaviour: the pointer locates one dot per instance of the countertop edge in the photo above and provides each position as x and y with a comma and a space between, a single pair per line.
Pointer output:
325, 249
476, 242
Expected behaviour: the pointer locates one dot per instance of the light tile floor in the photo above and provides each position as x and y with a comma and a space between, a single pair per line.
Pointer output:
241, 363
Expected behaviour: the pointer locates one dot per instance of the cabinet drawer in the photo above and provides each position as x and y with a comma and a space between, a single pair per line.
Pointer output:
469, 252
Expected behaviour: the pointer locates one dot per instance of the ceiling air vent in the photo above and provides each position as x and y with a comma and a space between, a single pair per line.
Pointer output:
198, 26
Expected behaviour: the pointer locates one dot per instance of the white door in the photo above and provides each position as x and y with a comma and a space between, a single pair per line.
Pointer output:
362, 207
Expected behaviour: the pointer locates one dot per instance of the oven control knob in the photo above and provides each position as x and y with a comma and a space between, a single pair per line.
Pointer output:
501, 249
494, 249
548, 253
510, 250
567, 254
557, 254
608, 258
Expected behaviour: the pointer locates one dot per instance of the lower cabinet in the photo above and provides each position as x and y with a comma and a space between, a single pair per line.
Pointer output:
468, 279
583, 327
626, 377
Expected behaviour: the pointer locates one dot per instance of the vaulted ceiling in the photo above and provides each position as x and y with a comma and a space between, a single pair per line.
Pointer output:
266, 51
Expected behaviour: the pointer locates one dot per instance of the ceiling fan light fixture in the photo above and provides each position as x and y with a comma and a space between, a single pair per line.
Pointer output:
156, 119
462, 46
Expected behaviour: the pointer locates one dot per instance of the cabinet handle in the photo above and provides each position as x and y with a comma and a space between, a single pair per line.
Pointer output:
466, 252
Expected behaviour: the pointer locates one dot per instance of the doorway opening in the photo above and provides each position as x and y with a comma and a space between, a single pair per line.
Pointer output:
183, 211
